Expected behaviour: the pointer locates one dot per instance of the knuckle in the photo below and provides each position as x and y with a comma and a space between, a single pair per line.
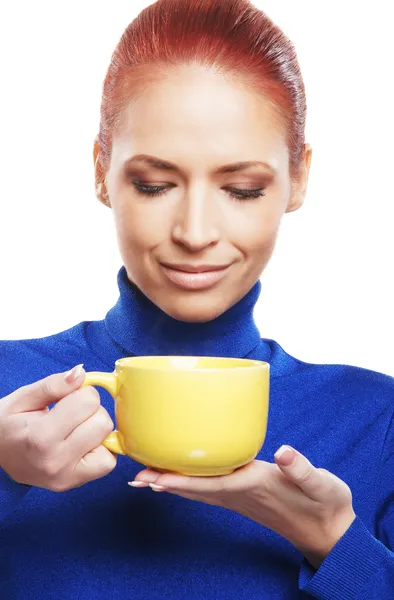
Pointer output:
90, 397
334, 480
345, 488
329, 477
109, 464
105, 461
51, 469
306, 476
104, 421
98, 463
47, 388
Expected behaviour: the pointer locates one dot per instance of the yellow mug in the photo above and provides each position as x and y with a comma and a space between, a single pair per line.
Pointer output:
198, 416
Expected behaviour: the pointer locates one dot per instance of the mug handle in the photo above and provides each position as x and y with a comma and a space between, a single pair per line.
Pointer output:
109, 382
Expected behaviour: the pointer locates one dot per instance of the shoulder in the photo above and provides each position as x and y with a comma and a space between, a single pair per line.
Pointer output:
24, 361
348, 383
351, 377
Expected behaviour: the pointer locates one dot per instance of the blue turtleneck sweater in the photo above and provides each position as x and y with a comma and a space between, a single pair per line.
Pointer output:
106, 540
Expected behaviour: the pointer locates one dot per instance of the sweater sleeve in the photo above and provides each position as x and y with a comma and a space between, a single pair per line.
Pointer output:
11, 493
360, 566
12, 376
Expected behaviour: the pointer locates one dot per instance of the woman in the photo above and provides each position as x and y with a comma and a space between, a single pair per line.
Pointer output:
200, 154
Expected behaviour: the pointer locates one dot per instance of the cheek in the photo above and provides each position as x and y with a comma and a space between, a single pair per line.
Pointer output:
255, 229
139, 226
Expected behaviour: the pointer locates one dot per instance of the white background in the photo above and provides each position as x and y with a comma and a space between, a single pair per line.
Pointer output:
328, 291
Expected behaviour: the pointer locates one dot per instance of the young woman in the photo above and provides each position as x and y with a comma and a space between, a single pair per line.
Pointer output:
200, 153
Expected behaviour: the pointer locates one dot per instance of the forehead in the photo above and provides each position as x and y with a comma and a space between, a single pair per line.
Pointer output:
193, 113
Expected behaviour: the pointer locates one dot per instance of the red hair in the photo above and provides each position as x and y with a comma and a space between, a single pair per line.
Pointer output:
232, 36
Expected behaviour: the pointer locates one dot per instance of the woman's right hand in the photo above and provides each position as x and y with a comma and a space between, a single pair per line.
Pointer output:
57, 449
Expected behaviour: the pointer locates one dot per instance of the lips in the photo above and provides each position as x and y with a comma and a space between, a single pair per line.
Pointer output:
194, 277
194, 268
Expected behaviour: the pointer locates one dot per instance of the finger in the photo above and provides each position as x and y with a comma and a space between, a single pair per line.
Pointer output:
90, 434
95, 464
72, 411
155, 488
148, 477
242, 478
144, 478
35, 416
44, 392
160, 482
300, 471
191, 485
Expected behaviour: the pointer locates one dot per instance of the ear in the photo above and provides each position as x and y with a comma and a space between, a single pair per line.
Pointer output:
300, 184
99, 175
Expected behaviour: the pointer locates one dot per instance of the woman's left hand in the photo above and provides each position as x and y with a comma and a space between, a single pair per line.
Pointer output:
310, 507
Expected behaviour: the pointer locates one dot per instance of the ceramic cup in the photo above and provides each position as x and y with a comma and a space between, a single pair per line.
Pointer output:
198, 416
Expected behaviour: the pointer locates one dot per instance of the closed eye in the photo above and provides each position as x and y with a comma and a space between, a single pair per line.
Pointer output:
235, 193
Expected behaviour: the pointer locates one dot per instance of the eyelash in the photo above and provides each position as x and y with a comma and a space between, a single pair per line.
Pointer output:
235, 193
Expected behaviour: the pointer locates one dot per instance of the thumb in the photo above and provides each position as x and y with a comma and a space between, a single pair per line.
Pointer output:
300, 471
44, 392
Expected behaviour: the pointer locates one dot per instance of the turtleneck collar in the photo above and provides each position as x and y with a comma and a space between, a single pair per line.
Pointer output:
142, 328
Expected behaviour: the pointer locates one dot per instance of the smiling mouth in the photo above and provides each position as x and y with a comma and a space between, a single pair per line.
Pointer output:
195, 268
194, 277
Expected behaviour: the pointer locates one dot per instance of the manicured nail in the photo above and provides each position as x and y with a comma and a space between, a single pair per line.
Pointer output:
137, 483
73, 374
285, 454
157, 488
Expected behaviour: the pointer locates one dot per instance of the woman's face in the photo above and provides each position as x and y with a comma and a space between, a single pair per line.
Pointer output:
197, 246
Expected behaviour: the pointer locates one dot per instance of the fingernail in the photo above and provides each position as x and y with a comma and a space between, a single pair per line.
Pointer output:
73, 374
137, 483
157, 488
285, 454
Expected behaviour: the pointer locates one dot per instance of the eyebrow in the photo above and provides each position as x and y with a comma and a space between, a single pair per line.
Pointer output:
159, 163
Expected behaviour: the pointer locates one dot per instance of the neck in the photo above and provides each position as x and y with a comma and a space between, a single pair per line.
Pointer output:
142, 328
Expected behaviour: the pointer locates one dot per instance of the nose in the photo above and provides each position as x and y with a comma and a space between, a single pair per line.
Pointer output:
196, 224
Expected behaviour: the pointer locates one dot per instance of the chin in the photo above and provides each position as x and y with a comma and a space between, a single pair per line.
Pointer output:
195, 308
